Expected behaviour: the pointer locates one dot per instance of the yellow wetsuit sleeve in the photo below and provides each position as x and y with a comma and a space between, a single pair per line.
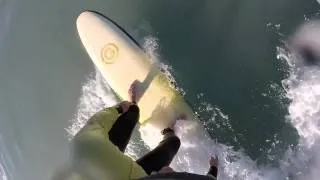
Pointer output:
92, 147
104, 119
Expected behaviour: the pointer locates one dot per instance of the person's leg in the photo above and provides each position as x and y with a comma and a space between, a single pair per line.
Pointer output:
163, 154
121, 131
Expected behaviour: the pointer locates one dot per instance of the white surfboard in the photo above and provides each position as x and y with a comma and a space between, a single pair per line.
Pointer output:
121, 61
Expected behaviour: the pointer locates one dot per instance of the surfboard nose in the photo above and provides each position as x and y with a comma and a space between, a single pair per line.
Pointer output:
84, 22
97, 34
82, 18
85, 17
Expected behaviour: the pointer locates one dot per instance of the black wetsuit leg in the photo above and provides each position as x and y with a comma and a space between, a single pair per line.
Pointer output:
162, 155
121, 130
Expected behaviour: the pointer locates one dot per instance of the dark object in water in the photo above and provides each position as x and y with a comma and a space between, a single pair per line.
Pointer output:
308, 56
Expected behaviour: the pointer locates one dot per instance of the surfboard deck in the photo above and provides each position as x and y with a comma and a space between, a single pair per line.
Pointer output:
122, 61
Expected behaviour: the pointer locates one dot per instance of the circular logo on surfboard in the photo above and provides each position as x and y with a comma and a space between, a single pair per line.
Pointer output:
110, 53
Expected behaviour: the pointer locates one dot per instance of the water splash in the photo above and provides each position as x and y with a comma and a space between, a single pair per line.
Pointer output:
3, 175
7, 166
151, 46
303, 90
96, 94
3, 152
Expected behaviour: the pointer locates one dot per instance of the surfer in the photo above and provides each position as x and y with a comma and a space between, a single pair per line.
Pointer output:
98, 148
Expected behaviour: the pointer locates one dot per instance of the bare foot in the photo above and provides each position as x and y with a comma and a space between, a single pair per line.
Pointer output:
134, 93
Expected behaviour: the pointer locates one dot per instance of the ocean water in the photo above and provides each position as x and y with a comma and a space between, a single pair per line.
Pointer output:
232, 61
